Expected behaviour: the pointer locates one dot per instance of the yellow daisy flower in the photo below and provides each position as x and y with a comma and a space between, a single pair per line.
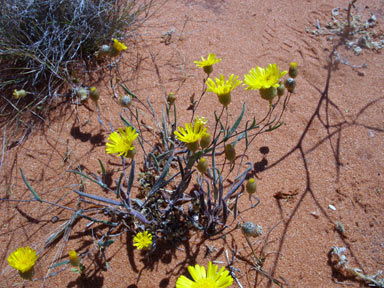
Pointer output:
263, 78
191, 134
223, 88
142, 240
23, 259
203, 279
121, 142
118, 45
207, 64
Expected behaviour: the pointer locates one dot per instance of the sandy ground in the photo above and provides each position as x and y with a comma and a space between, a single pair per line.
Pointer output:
328, 152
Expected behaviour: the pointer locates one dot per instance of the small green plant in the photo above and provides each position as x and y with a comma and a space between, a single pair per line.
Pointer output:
183, 172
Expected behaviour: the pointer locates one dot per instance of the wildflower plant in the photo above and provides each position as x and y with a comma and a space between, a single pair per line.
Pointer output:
179, 186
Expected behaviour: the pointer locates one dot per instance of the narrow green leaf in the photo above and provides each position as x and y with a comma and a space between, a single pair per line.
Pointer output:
274, 127
89, 178
59, 264
37, 197
159, 181
102, 167
105, 243
128, 91
118, 186
131, 178
237, 123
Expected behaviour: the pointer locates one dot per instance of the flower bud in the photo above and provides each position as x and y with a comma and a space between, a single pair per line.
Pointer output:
74, 258
82, 93
94, 94
280, 90
171, 98
251, 186
19, 93
268, 93
125, 100
290, 84
293, 70
131, 153
205, 140
202, 166
230, 152
225, 99
251, 229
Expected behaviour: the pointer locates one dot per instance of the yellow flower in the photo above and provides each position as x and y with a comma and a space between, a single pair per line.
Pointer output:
263, 78
118, 45
192, 132
142, 240
223, 88
19, 93
202, 279
207, 64
23, 259
121, 142
74, 258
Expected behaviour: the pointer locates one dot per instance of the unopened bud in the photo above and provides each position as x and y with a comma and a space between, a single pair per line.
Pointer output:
74, 258
202, 166
194, 146
19, 93
205, 140
230, 152
251, 229
82, 93
94, 94
171, 98
293, 70
251, 186
280, 90
290, 84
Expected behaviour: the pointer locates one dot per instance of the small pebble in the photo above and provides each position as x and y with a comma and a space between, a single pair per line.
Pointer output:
332, 207
314, 214
371, 134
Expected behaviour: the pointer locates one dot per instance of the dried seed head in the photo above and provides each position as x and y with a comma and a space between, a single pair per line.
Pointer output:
251, 229
125, 100
290, 84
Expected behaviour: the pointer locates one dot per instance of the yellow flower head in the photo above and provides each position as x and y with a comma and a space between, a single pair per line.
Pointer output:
142, 240
74, 258
207, 64
263, 78
192, 132
23, 259
223, 88
118, 45
209, 279
121, 142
